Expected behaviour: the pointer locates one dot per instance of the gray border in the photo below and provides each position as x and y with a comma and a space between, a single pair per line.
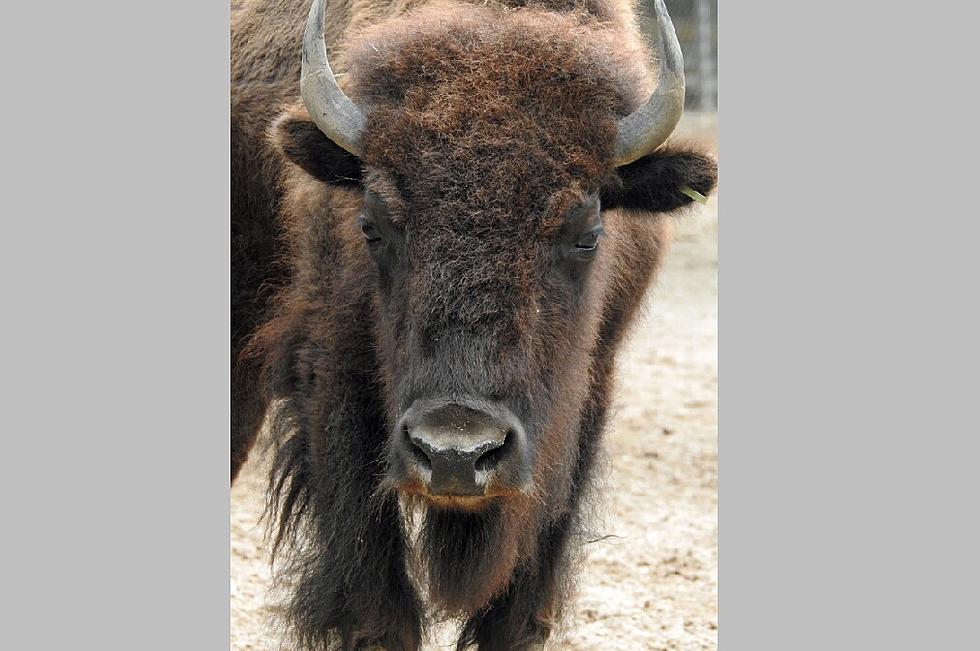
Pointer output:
848, 440
115, 326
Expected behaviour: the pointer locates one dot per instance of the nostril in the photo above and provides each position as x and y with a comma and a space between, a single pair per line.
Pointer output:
491, 458
418, 454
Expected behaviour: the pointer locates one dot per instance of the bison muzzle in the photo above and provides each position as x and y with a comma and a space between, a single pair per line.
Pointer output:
471, 449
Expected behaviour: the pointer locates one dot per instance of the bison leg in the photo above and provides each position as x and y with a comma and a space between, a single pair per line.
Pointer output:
340, 541
354, 593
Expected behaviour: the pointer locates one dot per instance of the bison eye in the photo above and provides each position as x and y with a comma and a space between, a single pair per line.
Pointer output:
589, 241
371, 232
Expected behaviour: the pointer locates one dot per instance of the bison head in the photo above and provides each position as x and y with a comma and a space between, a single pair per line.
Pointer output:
490, 150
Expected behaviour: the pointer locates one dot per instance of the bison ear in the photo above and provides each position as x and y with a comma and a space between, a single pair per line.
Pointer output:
653, 183
302, 142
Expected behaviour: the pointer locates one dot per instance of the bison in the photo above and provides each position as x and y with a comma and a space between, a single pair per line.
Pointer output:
433, 269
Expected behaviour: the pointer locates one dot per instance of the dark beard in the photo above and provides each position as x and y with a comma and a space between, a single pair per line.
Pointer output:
464, 558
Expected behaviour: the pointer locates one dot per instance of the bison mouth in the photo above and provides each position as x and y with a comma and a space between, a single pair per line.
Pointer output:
449, 502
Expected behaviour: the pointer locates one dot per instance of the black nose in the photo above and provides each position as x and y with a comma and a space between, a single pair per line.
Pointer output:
459, 449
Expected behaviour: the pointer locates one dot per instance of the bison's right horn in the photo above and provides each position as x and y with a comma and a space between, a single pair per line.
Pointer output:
334, 113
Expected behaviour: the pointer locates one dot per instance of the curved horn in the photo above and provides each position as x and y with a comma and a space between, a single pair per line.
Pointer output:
648, 127
334, 113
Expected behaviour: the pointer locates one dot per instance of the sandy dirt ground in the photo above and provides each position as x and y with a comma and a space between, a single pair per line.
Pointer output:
652, 584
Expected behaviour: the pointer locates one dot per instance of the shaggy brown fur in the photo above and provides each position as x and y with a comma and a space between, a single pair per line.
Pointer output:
487, 153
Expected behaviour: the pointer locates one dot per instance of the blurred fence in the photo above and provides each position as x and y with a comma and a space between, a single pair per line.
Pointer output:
696, 23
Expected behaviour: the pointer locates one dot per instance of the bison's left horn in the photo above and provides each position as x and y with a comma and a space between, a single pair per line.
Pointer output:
334, 113
648, 127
